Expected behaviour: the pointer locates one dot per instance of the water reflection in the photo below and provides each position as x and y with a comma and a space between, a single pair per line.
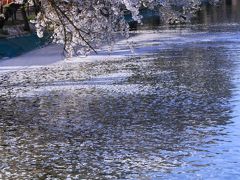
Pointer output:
163, 120
227, 12
173, 114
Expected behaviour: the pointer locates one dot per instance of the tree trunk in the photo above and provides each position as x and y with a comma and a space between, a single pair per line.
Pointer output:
36, 5
2, 22
25, 18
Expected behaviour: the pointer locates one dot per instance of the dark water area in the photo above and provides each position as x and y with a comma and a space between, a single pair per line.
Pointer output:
170, 114
12, 47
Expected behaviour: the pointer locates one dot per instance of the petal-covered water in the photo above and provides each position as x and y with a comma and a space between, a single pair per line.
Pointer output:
171, 113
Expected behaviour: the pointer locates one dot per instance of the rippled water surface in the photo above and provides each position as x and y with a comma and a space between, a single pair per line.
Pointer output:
173, 113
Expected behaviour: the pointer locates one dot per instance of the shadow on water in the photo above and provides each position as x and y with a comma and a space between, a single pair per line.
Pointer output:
170, 117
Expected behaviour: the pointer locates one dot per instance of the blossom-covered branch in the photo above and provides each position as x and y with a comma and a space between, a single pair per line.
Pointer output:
82, 25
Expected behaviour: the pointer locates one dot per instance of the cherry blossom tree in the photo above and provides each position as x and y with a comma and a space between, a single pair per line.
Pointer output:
83, 25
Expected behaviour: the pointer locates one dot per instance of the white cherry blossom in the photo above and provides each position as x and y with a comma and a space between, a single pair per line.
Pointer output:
83, 25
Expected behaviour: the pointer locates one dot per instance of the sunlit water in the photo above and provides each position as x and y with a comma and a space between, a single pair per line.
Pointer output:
173, 113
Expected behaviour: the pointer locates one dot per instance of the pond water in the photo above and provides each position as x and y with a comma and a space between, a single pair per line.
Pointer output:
173, 113
11, 47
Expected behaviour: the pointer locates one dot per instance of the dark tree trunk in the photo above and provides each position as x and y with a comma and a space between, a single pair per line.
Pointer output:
2, 22
37, 6
25, 18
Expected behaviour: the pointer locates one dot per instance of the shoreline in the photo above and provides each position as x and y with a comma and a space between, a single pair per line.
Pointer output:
144, 43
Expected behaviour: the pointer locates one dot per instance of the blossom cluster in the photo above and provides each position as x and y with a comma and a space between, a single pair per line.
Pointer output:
83, 25
2, 16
